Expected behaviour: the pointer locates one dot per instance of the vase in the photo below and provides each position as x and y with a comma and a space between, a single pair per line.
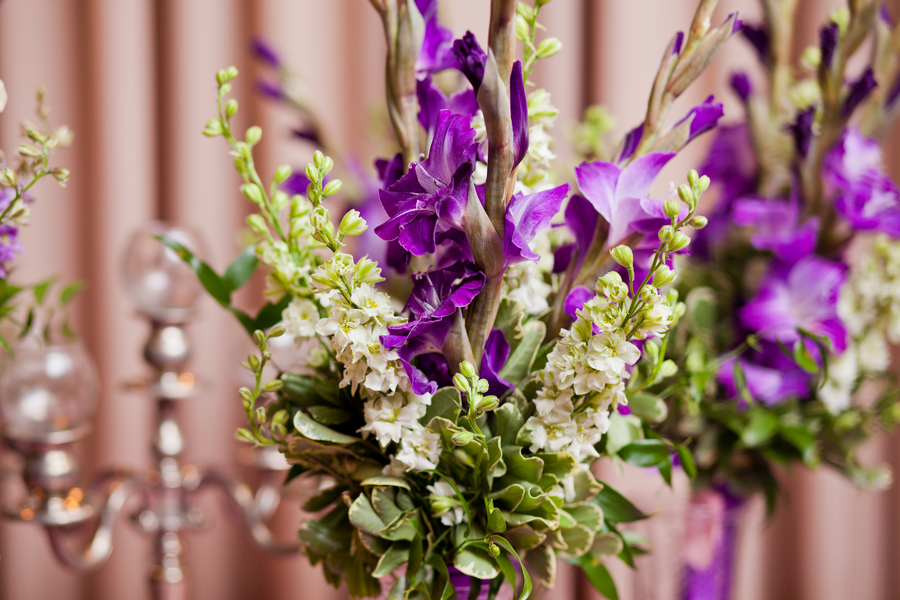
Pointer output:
462, 583
710, 539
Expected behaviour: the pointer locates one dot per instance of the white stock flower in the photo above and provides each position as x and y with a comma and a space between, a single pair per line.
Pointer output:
300, 318
837, 393
420, 449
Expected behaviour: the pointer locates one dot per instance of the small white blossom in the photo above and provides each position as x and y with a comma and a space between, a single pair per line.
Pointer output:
837, 393
300, 318
420, 449
388, 417
446, 503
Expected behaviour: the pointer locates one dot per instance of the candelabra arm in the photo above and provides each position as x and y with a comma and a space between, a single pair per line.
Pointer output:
254, 509
101, 545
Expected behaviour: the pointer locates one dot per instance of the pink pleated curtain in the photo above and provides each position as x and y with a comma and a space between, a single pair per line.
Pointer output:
134, 79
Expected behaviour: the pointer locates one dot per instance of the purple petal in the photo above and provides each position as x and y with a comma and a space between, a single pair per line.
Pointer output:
389, 171
859, 91
679, 40
438, 293
263, 50
470, 59
518, 106
828, 39
576, 299
703, 117
526, 216
758, 36
496, 352
269, 88
597, 181
295, 184
638, 176
777, 229
741, 85
581, 218
562, 256
801, 130
632, 140
771, 386
436, 53
737, 25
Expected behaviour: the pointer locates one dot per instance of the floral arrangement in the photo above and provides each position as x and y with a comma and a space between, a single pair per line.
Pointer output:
39, 314
457, 423
784, 352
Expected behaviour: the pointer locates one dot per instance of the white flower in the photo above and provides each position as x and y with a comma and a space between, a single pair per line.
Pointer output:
394, 469
389, 417
420, 449
837, 393
874, 354
610, 353
446, 504
300, 318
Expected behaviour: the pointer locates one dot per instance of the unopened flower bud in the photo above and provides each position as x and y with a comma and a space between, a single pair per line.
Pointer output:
312, 173
467, 369
811, 58
693, 177
231, 72
246, 394
523, 31
623, 255
61, 174
460, 382
328, 166
663, 276
331, 188
260, 415
213, 128
319, 218
244, 435
352, 224
698, 222
462, 438
253, 135
231, 108
548, 47
343, 263
274, 385
672, 208
257, 223
28, 151
487, 404
703, 183
318, 159
277, 332
221, 76
493, 549
282, 173
317, 358
252, 192
679, 242
666, 233
8, 178
667, 369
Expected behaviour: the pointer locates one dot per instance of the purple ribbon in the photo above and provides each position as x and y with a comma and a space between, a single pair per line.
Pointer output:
713, 582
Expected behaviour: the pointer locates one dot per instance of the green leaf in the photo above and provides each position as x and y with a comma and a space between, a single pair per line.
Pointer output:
40, 290
599, 576
687, 460
542, 561
241, 268
328, 415
396, 555
217, 287
606, 544
623, 429
509, 320
323, 499
445, 404
762, 426
665, 469
645, 453
269, 315
364, 517
69, 292
527, 587
387, 481
740, 382
804, 358
803, 440
616, 507
313, 430
475, 562
518, 365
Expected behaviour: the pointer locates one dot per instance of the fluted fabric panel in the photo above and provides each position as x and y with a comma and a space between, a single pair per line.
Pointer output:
135, 80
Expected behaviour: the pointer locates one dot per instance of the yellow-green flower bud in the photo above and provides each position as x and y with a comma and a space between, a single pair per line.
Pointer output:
257, 224
663, 276
672, 208
312, 173
679, 242
523, 31
666, 233
260, 415
253, 135
686, 194
231, 72
317, 358
277, 332
667, 369
811, 58
61, 174
698, 222
221, 76
244, 435
318, 159
462, 438
487, 404
493, 549
525, 11
246, 394
328, 166
548, 47
213, 128
623, 255
331, 188
343, 263
231, 107
693, 177
252, 192
703, 184
319, 218
282, 173
352, 224
460, 382
274, 385
467, 369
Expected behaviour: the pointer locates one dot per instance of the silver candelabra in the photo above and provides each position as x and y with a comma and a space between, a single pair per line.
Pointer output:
47, 394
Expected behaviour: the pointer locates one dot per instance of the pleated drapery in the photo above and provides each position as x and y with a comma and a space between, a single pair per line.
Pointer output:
135, 80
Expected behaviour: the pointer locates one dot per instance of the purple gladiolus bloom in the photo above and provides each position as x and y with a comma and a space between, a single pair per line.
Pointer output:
741, 85
703, 117
777, 227
576, 299
619, 195
766, 384
526, 216
436, 53
867, 197
432, 196
435, 298
679, 41
269, 88
630, 144
758, 36
801, 130
518, 105
496, 351
802, 296
828, 39
581, 219
470, 59
859, 91
263, 50
737, 25
432, 101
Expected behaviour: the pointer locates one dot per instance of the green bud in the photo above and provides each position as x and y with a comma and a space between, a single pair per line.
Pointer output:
277, 332
482, 386
282, 173
28, 151
679, 242
312, 173
231, 72
692, 177
672, 208
493, 549
213, 128
231, 107
224, 89
260, 415
462, 438
548, 47
651, 348
686, 193
328, 166
246, 394
61, 174
260, 338
8, 178
331, 188
666, 233
319, 218
253, 193
352, 224
461, 383
257, 224
525, 11
811, 58
253, 135
703, 184
253, 361
672, 296
463, 457
245, 435
467, 369
487, 404
698, 222
623, 255
523, 30
298, 206
317, 358
221, 76
667, 369
663, 276
318, 160
279, 200
274, 385
342, 263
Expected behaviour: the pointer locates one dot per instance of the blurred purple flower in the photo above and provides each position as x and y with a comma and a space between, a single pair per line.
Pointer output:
704, 117
269, 88
436, 52
576, 299
828, 39
432, 101
866, 196
740, 83
758, 37
777, 227
496, 352
266, 52
801, 130
802, 296
432, 196
10, 246
470, 59
581, 219
770, 385
859, 91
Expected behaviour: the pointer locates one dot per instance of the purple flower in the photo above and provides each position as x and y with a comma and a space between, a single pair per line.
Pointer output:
866, 196
802, 296
435, 298
470, 59
758, 36
631, 141
432, 101
828, 39
581, 219
770, 385
777, 227
679, 40
576, 299
859, 91
518, 105
10, 246
619, 195
801, 130
264, 51
526, 216
741, 85
269, 88
436, 52
496, 352
432, 196
703, 117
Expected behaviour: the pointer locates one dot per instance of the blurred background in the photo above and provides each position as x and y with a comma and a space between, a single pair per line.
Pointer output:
135, 80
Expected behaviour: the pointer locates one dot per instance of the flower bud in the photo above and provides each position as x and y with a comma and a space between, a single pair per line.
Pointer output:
623, 255
213, 128
253, 135
317, 358
260, 415
703, 184
319, 218
244, 435
352, 224
525, 11
493, 549
811, 57
462, 438
253, 361
331, 188
231, 72
548, 47
8, 178
252, 192
679, 242
282, 173
246, 394
667, 369
663, 276
460, 382
221, 76
487, 404
231, 107
698, 222
343, 263
467, 369
523, 31
257, 224
672, 208
277, 332
61, 174
312, 173
318, 160
666, 233
328, 166
274, 385
693, 177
